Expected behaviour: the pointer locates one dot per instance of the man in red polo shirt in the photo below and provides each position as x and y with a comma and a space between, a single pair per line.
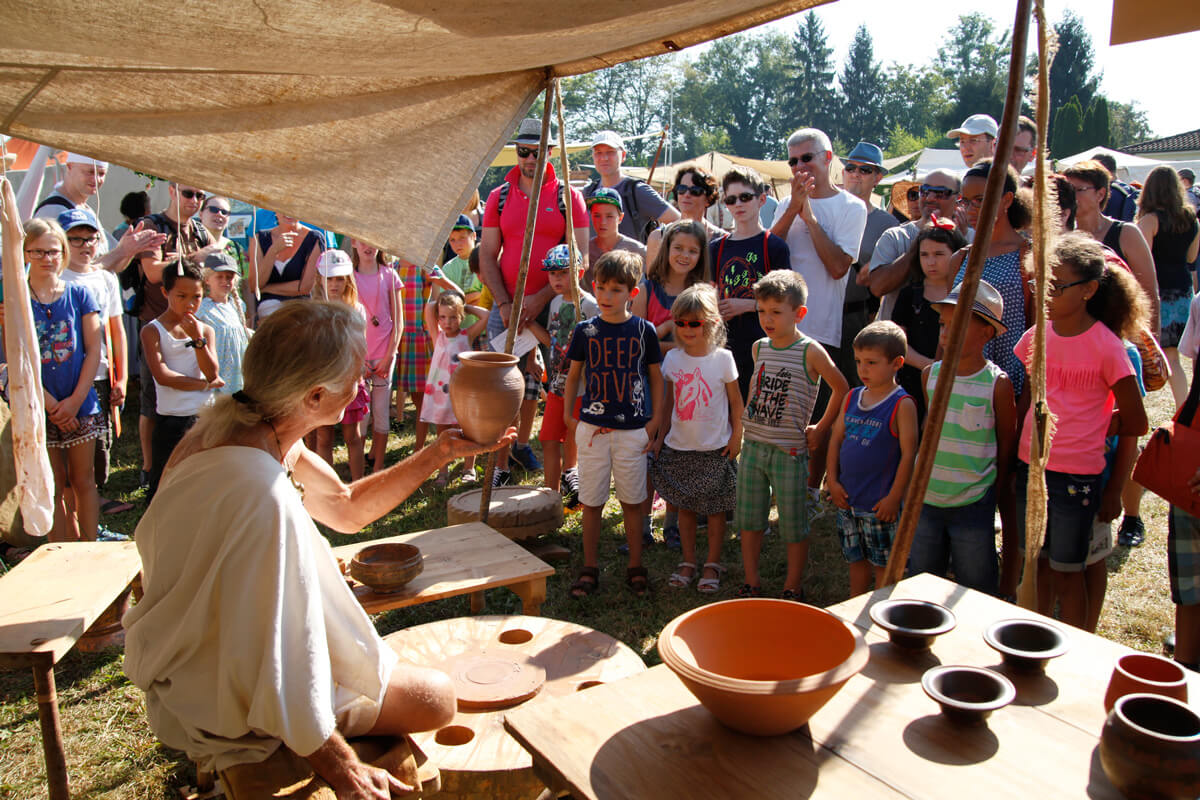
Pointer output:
500, 261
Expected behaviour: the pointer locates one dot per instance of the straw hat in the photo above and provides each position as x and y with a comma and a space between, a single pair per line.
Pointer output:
900, 197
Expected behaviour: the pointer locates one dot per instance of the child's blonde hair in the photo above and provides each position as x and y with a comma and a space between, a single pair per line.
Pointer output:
700, 302
660, 267
349, 291
454, 301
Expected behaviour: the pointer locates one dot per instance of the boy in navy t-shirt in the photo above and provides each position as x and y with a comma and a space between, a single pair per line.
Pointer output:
616, 358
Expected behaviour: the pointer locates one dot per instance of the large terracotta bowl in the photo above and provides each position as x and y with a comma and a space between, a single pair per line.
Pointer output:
387, 568
761, 666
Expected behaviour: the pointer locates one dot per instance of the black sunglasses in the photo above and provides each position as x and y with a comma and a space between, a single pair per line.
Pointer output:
526, 152
191, 194
689, 323
865, 169
694, 191
914, 194
804, 159
224, 212
744, 197
936, 191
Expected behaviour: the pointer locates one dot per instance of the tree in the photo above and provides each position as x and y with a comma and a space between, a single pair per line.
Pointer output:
630, 98
863, 85
1127, 125
1071, 71
1095, 124
1068, 130
914, 101
974, 62
812, 98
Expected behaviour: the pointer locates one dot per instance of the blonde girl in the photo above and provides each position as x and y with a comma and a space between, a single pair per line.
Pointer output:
695, 452
335, 283
224, 310
379, 289
682, 261
443, 321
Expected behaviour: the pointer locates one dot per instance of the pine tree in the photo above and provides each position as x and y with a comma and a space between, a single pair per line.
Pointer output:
1071, 71
1095, 124
1068, 130
812, 96
863, 90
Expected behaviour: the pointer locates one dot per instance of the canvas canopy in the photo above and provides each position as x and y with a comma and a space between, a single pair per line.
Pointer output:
376, 119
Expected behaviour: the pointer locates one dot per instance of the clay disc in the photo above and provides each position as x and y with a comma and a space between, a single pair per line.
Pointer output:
488, 681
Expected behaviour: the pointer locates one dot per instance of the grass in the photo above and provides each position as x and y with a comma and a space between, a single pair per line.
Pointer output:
112, 754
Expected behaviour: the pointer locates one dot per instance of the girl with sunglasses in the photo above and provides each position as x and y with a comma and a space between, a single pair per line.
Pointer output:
681, 262
695, 192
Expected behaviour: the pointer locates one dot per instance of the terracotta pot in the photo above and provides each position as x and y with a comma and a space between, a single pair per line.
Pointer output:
912, 624
967, 695
1148, 674
486, 392
107, 630
1026, 645
387, 568
763, 667
1150, 748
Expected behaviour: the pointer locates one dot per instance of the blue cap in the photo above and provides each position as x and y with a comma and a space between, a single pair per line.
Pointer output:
559, 257
75, 217
463, 223
866, 153
606, 195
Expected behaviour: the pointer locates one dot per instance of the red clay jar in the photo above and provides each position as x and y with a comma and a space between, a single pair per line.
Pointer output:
1150, 748
486, 392
1147, 673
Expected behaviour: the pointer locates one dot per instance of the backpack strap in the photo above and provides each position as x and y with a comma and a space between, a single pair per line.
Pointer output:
503, 197
1187, 412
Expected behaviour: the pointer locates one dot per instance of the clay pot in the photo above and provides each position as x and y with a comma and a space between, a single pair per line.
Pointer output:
387, 568
967, 695
1148, 674
761, 666
107, 630
486, 392
1150, 748
912, 624
1026, 644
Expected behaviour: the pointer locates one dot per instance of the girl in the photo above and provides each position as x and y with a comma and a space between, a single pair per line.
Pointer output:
181, 353
696, 191
1087, 369
226, 313
443, 320
695, 452
681, 262
931, 278
379, 290
67, 319
413, 364
335, 284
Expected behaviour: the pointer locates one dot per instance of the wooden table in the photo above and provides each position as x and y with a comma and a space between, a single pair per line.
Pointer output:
460, 559
646, 736
47, 602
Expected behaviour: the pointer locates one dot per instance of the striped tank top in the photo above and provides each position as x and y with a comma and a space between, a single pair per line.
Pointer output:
780, 404
965, 465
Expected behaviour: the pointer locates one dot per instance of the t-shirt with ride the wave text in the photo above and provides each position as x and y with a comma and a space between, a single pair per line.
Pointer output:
782, 396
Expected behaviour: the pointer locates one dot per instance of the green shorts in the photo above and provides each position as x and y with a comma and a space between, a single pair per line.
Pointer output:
764, 467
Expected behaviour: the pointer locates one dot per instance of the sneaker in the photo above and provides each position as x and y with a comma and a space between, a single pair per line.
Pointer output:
103, 534
748, 591
522, 455
569, 486
144, 480
671, 538
501, 477
795, 597
1133, 532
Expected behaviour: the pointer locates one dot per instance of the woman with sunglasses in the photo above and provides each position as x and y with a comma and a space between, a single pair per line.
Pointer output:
695, 191
214, 216
284, 260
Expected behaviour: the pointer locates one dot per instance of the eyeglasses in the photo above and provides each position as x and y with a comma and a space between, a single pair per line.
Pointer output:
689, 323
192, 194
694, 191
50, 254
863, 169
939, 192
804, 159
526, 152
973, 202
1055, 289
744, 197
224, 212
80, 241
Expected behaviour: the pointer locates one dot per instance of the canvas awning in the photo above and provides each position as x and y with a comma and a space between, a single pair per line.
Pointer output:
370, 118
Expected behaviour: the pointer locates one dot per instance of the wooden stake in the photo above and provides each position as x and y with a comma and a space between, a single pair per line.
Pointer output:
914, 498
567, 210
52, 743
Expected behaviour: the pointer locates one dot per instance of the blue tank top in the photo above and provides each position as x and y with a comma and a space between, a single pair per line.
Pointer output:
870, 453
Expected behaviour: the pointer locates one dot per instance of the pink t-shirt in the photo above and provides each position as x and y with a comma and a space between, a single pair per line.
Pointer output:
1080, 373
547, 230
373, 293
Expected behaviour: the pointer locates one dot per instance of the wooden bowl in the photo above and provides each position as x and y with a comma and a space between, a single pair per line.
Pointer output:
762, 666
967, 695
912, 624
1026, 644
386, 568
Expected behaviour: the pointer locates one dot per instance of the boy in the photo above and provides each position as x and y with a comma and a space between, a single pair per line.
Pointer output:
457, 269
617, 354
971, 470
871, 454
606, 211
558, 449
788, 369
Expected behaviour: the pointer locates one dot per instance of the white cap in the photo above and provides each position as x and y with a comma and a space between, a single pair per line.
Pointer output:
334, 263
610, 138
975, 125
75, 158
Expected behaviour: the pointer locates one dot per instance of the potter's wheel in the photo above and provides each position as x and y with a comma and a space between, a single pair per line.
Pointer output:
483, 681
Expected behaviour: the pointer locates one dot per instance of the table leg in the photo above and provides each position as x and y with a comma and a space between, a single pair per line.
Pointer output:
52, 743
476, 602
532, 594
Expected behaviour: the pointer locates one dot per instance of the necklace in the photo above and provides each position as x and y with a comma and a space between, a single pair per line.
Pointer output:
299, 487
44, 307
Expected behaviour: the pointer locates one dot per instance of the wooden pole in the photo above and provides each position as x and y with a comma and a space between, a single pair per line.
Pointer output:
914, 498
568, 212
658, 152
52, 743
523, 272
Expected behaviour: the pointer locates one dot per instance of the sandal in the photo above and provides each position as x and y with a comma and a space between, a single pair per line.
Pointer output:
749, 591
587, 583
711, 585
678, 580
638, 581
795, 597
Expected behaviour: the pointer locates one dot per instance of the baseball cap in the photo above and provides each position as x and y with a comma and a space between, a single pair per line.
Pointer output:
75, 158
220, 261
610, 138
463, 223
78, 217
1187, 174
558, 258
608, 195
866, 153
988, 304
334, 263
975, 125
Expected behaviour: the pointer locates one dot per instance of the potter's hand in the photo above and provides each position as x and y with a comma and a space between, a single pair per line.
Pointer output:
454, 445
365, 782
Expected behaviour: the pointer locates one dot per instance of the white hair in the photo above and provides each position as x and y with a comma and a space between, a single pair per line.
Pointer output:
811, 135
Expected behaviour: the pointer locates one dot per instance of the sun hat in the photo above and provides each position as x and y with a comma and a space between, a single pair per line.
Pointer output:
220, 261
900, 196
558, 258
78, 217
610, 138
988, 304
975, 125
530, 133
866, 153
334, 263
607, 195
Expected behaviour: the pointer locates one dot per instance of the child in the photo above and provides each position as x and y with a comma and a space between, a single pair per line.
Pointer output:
1090, 308
932, 279
788, 368
971, 471
458, 269
413, 355
697, 446
558, 449
336, 284
681, 262
443, 320
617, 356
182, 356
379, 290
67, 318
224, 310
871, 454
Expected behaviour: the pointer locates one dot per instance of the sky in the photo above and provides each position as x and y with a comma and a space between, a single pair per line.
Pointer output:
1139, 71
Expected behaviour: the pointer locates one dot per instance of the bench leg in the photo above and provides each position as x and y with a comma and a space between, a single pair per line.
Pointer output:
52, 743
476, 602
532, 594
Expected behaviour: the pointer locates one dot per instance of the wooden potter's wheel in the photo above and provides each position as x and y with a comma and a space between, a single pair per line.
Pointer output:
499, 663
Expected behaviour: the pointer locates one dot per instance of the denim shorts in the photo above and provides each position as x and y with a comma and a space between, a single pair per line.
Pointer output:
962, 538
1072, 502
863, 535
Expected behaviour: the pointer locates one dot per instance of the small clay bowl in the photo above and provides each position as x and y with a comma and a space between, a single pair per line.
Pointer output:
386, 568
1026, 644
967, 695
912, 624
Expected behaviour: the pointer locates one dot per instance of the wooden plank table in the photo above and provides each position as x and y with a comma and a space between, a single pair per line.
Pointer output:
647, 736
459, 559
47, 602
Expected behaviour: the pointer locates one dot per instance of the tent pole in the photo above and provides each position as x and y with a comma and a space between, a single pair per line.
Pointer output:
519, 294
568, 212
915, 496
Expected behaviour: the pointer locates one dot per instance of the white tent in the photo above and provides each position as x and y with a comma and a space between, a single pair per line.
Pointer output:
927, 161
1129, 168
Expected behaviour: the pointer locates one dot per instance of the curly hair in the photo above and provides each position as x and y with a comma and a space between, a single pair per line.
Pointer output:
700, 177
1119, 302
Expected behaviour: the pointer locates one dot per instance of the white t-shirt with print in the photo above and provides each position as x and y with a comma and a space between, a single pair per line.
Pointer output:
107, 291
700, 420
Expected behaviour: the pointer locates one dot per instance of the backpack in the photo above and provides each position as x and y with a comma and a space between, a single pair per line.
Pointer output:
629, 201
506, 187
54, 200
1122, 201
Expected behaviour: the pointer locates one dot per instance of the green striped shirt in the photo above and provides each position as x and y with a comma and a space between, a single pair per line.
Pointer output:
965, 465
